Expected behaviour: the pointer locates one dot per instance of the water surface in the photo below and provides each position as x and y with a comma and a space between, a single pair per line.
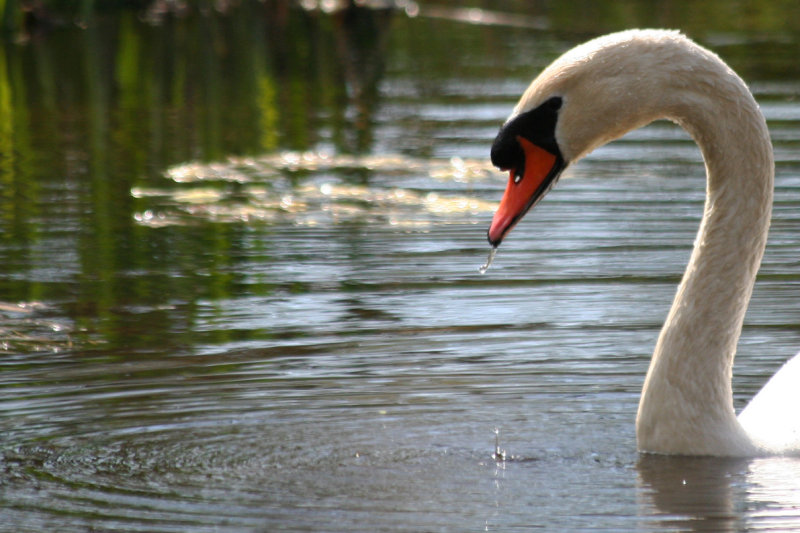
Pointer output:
240, 285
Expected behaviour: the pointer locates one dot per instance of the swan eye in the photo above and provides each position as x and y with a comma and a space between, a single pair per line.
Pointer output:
537, 125
554, 103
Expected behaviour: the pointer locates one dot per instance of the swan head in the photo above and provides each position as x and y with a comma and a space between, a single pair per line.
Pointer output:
589, 96
526, 147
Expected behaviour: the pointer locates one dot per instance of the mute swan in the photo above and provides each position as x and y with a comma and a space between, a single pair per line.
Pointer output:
594, 94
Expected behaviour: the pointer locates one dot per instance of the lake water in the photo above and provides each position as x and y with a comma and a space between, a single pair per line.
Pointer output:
239, 284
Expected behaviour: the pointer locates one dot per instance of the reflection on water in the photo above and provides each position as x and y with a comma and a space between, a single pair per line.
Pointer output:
239, 286
695, 494
260, 192
708, 494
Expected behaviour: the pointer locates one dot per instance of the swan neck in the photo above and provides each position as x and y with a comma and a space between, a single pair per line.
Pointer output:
687, 401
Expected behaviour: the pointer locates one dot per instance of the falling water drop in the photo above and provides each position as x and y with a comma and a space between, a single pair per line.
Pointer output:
489, 260
499, 454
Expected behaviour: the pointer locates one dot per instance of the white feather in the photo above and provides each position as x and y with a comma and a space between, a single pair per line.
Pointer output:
622, 81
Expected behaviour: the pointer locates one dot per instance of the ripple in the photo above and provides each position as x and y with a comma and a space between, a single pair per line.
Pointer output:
177, 477
28, 327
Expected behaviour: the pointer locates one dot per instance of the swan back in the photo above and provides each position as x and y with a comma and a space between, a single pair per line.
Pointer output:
772, 418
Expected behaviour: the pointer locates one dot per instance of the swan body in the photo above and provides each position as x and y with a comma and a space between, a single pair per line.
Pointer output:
594, 94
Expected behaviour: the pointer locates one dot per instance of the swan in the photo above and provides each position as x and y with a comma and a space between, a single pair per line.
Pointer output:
594, 94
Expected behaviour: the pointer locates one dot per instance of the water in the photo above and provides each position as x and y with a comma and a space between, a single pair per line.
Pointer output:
240, 293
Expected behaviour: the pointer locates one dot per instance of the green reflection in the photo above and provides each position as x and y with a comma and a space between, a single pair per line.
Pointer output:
19, 190
7, 174
90, 111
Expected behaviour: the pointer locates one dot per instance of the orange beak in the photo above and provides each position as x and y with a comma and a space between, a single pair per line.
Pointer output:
541, 170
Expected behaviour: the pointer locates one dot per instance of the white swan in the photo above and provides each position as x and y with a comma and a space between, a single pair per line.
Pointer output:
594, 94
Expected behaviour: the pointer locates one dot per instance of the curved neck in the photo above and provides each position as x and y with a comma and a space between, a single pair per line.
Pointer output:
687, 402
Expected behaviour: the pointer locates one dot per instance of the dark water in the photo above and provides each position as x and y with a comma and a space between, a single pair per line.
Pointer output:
238, 274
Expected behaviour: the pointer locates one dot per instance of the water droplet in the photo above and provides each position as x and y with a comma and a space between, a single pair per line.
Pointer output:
499, 454
489, 260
